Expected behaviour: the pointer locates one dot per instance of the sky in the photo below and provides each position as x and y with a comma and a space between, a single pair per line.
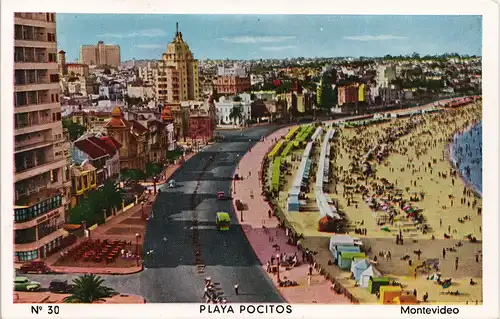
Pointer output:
145, 36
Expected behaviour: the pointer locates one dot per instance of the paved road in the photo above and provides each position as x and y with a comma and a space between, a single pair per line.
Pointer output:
170, 274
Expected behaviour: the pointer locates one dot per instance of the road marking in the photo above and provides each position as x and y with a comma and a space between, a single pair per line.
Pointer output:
202, 227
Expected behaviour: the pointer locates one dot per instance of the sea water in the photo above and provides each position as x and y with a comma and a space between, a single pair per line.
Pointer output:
467, 152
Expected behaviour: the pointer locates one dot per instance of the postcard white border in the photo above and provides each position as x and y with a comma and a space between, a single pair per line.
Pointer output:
487, 8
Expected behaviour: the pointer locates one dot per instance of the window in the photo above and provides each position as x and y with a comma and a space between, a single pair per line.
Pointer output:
51, 37
52, 57
26, 255
54, 78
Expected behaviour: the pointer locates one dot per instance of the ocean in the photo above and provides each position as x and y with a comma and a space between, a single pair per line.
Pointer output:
468, 155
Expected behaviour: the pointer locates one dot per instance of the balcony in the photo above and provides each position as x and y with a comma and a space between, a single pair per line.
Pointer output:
31, 170
35, 107
25, 128
36, 143
37, 208
35, 65
36, 86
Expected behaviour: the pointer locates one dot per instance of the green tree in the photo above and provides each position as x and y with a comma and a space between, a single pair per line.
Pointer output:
153, 169
75, 130
132, 174
89, 288
111, 194
82, 212
236, 113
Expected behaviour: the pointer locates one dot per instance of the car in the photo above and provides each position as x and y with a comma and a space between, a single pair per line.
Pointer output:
24, 284
221, 195
171, 183
60, 286
38, 267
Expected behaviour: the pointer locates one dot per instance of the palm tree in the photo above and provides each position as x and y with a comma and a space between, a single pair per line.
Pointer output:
88, 288
236, 113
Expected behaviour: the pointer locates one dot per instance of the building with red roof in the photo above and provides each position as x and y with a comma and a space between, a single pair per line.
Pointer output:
132, 136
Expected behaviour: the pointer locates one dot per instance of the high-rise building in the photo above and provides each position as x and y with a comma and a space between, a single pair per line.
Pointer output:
177, 78
100, 54
42, 184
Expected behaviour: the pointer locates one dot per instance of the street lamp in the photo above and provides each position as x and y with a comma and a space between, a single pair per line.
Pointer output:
137, 235
142, 209
155, 180
278, 267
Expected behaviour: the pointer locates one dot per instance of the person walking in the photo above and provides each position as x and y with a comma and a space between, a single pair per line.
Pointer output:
456, 263
444, 253
310, 270
269, 213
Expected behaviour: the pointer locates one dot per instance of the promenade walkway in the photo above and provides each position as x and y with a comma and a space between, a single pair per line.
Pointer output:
263, 241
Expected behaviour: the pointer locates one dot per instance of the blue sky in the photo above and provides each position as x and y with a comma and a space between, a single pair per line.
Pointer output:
143, 36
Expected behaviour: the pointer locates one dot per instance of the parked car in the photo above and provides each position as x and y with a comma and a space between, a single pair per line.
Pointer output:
24, 284
60, 286
37, 267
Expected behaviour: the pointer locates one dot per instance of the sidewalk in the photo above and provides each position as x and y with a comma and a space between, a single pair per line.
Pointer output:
262, 240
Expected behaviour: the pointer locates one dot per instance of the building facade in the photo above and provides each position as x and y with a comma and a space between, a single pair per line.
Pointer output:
177, 79
232, 81
131, 136
42, 184
100, 55
225, 106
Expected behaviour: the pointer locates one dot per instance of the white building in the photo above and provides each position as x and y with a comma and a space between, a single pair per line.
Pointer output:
236, 70
148, 73
142, 92
225, 105
385, 74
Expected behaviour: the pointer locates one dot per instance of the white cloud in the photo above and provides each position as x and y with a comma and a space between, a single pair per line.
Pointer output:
257, 39
278, 48
149, 46
380, 37
151, 33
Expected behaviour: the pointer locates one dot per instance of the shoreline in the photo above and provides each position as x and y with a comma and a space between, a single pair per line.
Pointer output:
453, 162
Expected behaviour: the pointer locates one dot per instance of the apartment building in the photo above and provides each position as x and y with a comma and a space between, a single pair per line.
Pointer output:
100, 55
232, 80
148, 73
177, 79
42, 184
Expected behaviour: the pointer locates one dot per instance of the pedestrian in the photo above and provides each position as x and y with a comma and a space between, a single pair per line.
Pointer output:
236, 289
426, 296
415, 292
310, 270
444, 253
303, 256
268, 266
456, 263
269, 213
389, 255
414, 274
477, 257
440, 222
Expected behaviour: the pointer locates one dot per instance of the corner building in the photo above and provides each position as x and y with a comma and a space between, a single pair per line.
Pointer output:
42, 184
177, 78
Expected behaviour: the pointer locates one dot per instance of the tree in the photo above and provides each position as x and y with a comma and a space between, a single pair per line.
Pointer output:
75, 130
153, 169
88, 288
132, 174
111, 194
236, 113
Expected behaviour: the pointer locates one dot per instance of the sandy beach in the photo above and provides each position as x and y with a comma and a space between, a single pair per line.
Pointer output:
395, 178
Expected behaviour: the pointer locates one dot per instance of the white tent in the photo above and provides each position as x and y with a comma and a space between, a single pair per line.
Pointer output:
340, 240
365, 276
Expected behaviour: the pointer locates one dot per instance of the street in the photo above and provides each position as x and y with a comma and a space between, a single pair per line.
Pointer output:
170, 273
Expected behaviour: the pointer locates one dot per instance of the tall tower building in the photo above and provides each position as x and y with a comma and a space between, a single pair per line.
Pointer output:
42, 185
100, 54
177, 78
63, 70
